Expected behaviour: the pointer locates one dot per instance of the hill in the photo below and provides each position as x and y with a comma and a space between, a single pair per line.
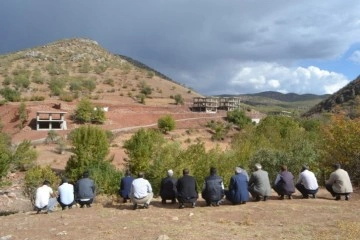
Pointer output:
270, 101
72, 68
346, 101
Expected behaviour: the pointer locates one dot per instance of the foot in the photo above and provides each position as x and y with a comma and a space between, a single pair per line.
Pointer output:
314, 196
337, 198
88, 205
193, 205
281, 197
290, 197
257, 198
243, 202
173, 201
218, 203
305, 197
124, 200
135, 206
146, 206
181, 206
265, 198
347, 197
163, 201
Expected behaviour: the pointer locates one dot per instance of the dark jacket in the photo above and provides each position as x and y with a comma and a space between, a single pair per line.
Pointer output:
85, 189
213, 188
168, 188
125, 185
285, 186
187, 188
238, 188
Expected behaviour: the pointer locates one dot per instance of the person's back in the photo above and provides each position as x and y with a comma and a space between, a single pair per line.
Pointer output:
125, 186
168, 189
259, 183
284, 183
238, 187
66, 194
44, 199
339, 183
213, 189
187, 189
308, 179
85, 190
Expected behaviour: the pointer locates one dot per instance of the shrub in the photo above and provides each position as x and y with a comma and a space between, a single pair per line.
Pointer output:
23, 115
37, 98
10, 95
24, 156
166, 123
34, 178
5, 154
179, 99
238, 117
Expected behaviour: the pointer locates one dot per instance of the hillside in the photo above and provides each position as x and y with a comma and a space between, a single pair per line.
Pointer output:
72, 68
346, 101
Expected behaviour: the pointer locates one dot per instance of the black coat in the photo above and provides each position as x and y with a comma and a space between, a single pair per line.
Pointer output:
168, 188
187, 188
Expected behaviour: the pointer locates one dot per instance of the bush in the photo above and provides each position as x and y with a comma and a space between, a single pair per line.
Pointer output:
10, 95
166, 123
34, 178
24, 156
238, 117
179, 99
23, 115
5, 154
86, 113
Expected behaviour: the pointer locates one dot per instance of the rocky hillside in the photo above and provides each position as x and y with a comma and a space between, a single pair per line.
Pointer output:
346, 101
72, 68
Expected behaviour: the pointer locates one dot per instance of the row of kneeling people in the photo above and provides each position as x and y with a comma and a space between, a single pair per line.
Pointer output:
184, 190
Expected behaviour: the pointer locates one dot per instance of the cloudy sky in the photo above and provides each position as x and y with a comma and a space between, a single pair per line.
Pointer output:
212, 46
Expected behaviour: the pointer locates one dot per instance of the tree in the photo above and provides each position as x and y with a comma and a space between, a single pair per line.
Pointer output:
166, 123
86, 112
10, 95
179, 100
23, 115
90, 146
141, 148
24, 156
340, 144
5, 154
238, 117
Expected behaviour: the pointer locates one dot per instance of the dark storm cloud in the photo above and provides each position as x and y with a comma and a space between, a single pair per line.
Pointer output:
205, 44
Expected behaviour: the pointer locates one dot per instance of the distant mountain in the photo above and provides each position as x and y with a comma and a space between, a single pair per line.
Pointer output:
287, 97
346, 101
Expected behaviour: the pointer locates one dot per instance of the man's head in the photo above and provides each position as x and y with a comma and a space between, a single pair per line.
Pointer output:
213, 171
283, 168
46, 182
258, 166
127, 172
141, 175
86, 174
64, 180
170, 173
337, 166
238, 170
304, 167
186, 171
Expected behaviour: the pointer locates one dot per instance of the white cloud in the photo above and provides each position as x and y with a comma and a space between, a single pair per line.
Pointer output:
264, 76
355, 57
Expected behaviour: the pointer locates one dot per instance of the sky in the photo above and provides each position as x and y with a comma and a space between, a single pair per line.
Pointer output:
213, 47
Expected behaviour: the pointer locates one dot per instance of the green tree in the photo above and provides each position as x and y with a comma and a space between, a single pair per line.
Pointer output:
24, 156
179, 100
23, 115
10, 95
238, 117
5, 154
166, 123
84, 111
141, 148
90, 146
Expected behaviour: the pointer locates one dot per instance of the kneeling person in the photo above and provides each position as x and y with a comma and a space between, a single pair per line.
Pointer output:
66, 194
213, 189
141, 191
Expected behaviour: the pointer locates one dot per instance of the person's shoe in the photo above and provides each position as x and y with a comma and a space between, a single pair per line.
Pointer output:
265, 198
305, 197
243, 202
173, 201
281, 197
218, 203
314, 196
63, 208
124, 200
193, 205
337, 198
70, 207
181, 206
257, 198
290, 197
347, 197
88, 205
135, 206
81, 205
163, 201
146, 206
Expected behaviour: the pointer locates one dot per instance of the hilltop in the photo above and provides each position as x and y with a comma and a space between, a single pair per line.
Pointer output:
73, 68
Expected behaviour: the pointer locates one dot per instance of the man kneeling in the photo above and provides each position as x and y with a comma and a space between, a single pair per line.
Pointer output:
141, 191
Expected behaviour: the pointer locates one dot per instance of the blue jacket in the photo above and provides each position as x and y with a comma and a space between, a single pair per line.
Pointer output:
238, 188
125, 185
